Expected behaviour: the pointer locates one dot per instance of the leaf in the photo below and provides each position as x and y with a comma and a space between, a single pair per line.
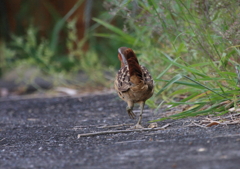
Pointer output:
60, 24
184, 83
186, 68
205, 87
165, 70
173, 80
122, 35
212, 123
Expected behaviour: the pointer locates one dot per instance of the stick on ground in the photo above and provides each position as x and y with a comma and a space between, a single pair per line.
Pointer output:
121, 131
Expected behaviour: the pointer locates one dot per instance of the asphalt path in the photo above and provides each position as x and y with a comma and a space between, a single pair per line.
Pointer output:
47, 133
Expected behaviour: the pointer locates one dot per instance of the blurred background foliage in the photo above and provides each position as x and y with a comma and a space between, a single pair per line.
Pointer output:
55, 39
190, 47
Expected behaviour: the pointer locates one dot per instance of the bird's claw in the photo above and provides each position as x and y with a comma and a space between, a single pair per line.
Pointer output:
137, 126
131, 114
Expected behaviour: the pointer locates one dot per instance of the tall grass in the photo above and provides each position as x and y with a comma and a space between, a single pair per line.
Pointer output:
191, 48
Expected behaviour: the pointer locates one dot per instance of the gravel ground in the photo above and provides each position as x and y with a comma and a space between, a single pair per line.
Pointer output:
43, 133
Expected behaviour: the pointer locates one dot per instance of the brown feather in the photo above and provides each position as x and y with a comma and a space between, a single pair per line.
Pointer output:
133, 65
133, 82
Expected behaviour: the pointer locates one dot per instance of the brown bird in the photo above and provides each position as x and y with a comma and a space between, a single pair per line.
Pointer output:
133, 82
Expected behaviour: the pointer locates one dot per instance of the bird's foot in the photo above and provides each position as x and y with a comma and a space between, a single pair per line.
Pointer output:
130, 113
137, 126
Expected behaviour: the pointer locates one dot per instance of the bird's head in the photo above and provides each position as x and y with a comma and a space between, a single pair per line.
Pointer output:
121, 56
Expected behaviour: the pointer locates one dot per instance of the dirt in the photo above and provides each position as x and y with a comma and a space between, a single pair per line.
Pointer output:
43, 133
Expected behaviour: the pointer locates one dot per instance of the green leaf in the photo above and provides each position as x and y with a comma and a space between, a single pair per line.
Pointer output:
205, 86
165, 70
186, 68
60, 24
185, 84
122, 35
173, 80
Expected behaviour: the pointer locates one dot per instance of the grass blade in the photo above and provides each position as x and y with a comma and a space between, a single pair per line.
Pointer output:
205, 86
116, 30
173, 80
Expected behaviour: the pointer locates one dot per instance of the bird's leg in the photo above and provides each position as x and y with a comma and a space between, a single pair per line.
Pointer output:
129, 110
138, 125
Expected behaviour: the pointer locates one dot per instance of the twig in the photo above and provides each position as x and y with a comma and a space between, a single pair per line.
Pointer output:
145, 110
130, 141
121, 131
2, 139
230, 135
195, 124
165, 126
117, 125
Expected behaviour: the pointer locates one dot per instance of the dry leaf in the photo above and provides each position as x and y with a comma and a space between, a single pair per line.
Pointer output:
202, 149
153, 125
233, 109
213, 123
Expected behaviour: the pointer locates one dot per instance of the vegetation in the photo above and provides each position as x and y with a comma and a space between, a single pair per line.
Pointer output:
190, 48
61, 59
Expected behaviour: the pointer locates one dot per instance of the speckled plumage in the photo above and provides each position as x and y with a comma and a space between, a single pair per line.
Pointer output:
127, 90
133, 82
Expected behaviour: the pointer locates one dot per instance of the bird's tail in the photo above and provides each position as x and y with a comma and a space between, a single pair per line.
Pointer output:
135, 70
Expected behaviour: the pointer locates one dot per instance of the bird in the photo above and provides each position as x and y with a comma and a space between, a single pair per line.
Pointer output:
133, 83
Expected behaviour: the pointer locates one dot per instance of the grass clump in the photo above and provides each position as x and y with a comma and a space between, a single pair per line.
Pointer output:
191, 48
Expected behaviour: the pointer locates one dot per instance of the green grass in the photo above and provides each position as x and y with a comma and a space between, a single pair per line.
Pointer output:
191, 49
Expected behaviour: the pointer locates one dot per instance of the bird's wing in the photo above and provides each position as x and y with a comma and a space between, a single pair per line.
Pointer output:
123, 79
147, 78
